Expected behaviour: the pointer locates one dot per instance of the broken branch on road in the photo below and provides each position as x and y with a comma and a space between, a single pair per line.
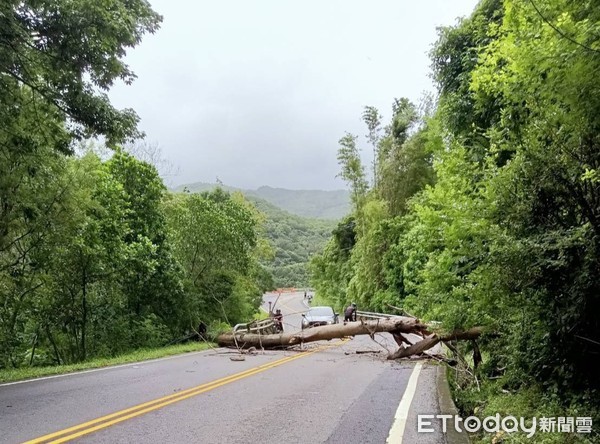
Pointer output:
398, 326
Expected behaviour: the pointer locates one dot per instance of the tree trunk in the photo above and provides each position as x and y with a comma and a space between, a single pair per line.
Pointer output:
35, 341
433, 340
84, 313
416, 348
59, 361
394, 325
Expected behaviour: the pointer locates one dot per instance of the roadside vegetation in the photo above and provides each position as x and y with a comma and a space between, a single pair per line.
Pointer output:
483, 209
143, 354
96, 257
294, 240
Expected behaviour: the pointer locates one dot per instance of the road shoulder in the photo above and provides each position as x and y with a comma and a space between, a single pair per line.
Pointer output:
447, 406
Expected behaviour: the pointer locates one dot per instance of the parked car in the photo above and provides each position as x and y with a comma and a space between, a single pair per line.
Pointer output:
316, 316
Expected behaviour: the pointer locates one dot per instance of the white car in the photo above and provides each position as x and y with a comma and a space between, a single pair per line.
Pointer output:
316, 316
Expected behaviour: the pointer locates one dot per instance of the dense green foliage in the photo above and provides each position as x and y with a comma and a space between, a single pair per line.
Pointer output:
294, 240
118, 263
60, 53
487, 211
317, 204
482, 211
96, 257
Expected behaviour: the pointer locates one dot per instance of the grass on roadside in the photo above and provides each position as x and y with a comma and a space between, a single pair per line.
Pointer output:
490, 398
260, 315
18, 374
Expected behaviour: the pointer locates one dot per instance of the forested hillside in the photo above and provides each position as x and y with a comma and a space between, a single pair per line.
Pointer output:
485, 211
295, 240
318, 204
96, 257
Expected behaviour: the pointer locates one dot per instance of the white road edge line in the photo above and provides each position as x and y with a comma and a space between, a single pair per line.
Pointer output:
397, 430
93, 370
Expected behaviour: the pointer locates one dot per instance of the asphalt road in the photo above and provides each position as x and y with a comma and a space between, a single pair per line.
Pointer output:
326, 393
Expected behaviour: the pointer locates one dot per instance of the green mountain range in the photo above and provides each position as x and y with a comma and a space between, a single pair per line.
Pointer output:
319, 204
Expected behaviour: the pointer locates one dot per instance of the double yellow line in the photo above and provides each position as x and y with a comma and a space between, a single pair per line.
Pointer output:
141, 409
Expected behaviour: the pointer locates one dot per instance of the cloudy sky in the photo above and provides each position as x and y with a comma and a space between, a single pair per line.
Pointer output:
259, 92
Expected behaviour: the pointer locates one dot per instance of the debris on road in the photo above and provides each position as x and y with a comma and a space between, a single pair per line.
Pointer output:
413, 337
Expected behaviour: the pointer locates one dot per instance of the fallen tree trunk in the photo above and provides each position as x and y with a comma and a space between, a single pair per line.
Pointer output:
417, 348
433, 340
393, 325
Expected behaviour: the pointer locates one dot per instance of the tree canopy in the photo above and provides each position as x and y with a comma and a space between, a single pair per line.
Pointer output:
485, 212
66, 53
96, 257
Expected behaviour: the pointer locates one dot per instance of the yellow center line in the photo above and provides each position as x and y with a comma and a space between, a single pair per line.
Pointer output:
283, 304
292, 311
146, 407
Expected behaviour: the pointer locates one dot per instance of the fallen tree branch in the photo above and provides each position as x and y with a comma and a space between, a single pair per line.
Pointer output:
401, 310
433, 340
398, 324
417, 348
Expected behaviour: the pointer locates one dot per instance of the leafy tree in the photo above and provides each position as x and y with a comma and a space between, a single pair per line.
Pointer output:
549, 124
372, 119
213, 237
486, 213
29, 209
353, 171
64, 51
355, 263
151, 278
96, 257
407, 165
331, 270
92, 252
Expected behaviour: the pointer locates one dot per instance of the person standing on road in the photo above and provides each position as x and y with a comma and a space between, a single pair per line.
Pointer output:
350, 313
278, 320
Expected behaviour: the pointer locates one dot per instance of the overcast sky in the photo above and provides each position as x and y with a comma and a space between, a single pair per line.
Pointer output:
259, 92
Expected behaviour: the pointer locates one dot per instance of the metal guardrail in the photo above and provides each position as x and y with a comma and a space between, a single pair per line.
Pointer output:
373, 315
254, 326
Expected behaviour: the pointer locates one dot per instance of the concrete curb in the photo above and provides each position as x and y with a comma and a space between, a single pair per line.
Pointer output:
447, 407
